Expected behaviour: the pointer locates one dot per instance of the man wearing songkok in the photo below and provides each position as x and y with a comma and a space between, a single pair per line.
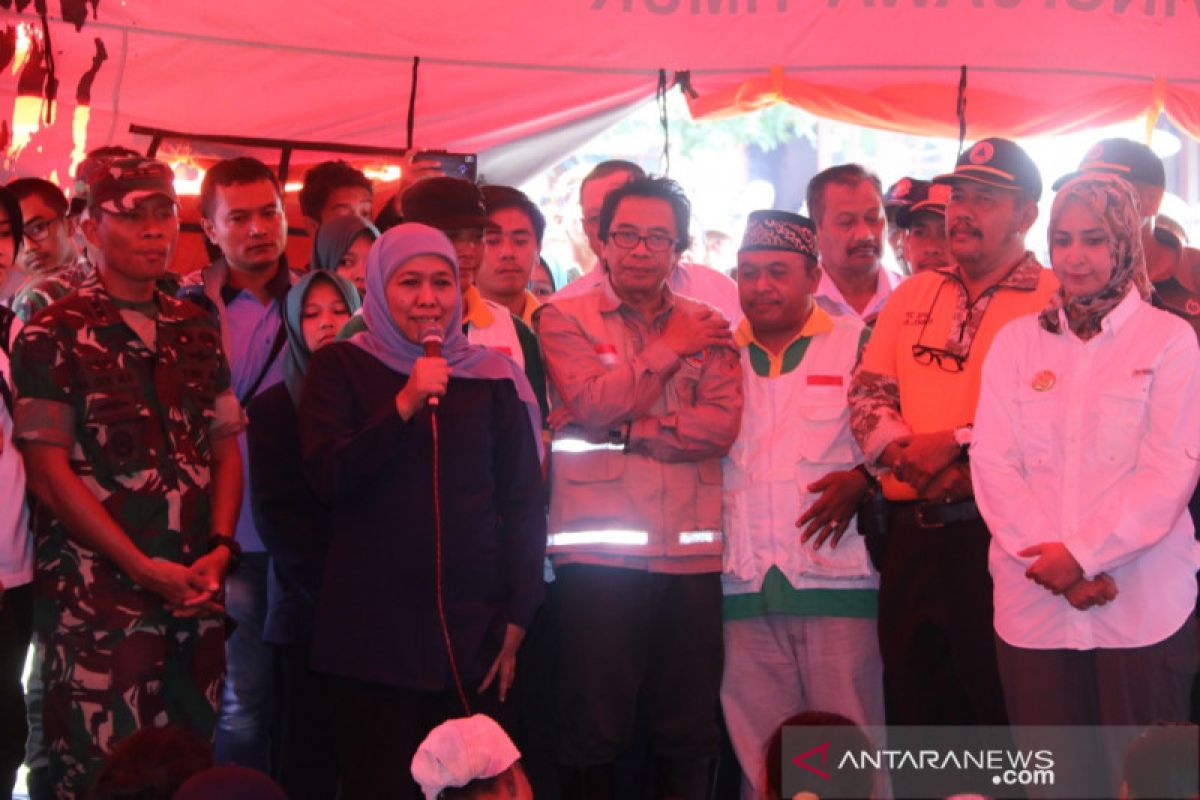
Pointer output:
470, 758
846, 203
800, 591
912, 403
901, 195
654, 392
127, 424
690, 280
924, 226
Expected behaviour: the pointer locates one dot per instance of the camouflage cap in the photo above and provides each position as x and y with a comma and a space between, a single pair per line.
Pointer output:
97, 159
117, 185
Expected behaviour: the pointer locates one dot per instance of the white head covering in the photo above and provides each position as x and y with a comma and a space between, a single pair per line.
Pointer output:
460, 751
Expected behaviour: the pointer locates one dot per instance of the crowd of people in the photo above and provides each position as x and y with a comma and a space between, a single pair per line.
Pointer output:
313, 513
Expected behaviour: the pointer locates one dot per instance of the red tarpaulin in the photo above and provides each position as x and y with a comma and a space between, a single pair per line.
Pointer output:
493, 72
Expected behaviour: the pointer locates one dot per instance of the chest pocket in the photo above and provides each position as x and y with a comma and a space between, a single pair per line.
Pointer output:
118, 420
825, 425
1036, 433
1120, 423
194, 354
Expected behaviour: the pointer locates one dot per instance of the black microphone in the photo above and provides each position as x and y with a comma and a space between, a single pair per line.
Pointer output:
432, 337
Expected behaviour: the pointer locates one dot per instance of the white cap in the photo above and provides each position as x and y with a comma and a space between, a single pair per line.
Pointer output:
460, 751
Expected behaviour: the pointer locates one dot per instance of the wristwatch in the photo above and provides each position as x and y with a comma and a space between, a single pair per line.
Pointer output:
872, 481
229, 543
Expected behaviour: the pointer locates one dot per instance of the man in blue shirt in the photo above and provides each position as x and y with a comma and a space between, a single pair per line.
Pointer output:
241, 204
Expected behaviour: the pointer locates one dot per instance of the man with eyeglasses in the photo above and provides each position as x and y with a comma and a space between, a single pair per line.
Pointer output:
912, 403
654, 391
127, 425
691, 280
49, 255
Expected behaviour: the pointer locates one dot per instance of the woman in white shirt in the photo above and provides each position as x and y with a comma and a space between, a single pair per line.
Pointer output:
16, 546
1085, 452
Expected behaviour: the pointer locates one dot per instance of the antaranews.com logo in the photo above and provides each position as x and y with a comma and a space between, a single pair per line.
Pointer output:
996, 762
1007, 767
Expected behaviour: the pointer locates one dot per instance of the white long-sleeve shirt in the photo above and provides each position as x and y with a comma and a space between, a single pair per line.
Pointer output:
1096, 445
16, 544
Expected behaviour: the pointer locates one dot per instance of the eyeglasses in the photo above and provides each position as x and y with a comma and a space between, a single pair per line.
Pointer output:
655, 242
946, 360
950, 362
38, 231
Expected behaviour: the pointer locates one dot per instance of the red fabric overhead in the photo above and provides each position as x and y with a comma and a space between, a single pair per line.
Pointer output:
493, 71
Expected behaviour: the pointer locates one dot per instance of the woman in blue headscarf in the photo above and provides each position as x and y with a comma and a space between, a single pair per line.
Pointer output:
295, 527
435, 568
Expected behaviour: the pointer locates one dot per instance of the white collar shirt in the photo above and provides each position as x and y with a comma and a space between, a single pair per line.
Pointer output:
833, 301
1095, 444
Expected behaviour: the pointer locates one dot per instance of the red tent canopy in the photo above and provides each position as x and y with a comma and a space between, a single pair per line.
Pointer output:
492, 72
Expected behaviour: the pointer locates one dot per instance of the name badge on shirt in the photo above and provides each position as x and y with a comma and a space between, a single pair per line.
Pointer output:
607, 353
825, 380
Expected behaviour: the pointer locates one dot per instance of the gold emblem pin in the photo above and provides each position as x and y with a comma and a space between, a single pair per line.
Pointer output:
1043, 381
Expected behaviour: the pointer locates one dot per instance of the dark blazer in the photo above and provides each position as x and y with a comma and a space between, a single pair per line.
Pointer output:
377, 616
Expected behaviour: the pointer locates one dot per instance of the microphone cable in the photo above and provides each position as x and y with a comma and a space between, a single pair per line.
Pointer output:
437, 523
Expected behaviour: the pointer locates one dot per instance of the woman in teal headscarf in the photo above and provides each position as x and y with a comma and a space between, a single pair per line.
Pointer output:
341, 246
296, 529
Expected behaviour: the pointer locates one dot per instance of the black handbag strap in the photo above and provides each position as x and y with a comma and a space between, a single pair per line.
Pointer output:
276, 347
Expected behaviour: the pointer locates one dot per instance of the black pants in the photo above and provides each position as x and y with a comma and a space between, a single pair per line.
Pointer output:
307, 769
633, 642
1109, 687
379, 728
16, 628
535, 689
935, 625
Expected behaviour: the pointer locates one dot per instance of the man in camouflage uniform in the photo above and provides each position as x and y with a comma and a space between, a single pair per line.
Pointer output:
126, 422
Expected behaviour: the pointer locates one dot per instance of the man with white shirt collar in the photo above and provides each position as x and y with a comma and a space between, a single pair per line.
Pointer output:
846, 203
690, 280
